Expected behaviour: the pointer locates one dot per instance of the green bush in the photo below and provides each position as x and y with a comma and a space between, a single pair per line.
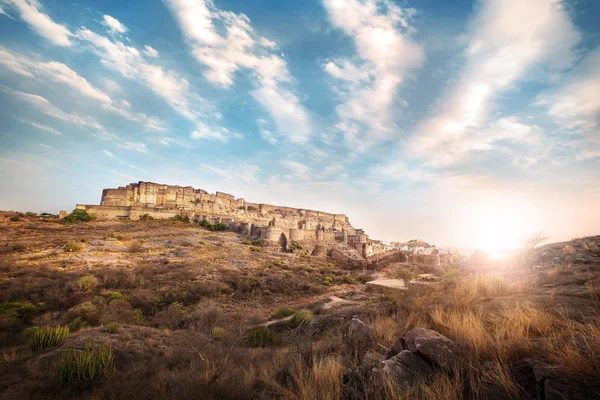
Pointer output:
257, 249
283, 312
217, 332
452, 273
347, 279
90, 365
185, 220
296, 245
116, 295
47, 336
219, 227
138, 316
327, 281
86, 283
405, 275
205, 224
15, 218
123, 237
78, 215
146, 217
17, 311
77, 324
301, 317
263, 337
73, 248
112, 328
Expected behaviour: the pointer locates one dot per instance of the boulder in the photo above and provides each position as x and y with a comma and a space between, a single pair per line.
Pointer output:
359, 332
432, 346
405, 367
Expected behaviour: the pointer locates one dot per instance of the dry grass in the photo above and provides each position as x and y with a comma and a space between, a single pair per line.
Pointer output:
593, 289
385, 330
316, 379
471, 289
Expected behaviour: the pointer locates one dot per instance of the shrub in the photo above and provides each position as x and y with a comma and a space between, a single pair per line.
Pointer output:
146, 217
135, 247
205, 224
86, 310
452, 273
219, 227
73, 248
116, 296
263, 337
301, 317
21, 312
348, 279
327, 281
138, 316
47, 336
283, 312
87, 283
217, 332
252, 208
296, 245
123, 237
257, 249
185, 220
90, 365
77, 324
112, 328
15, 218
78, 215
404, 274
277, 262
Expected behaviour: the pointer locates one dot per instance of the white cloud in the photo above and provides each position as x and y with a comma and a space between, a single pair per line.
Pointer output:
575, 103
168, 141
297, 169
41, 23
242, 48
150, 52
40, 126
113, 24
385, 55
50, 109
244, 172
58, 72
268, 136
47, 146
509, 40
2, 12
221, 134
108, 154
135, 146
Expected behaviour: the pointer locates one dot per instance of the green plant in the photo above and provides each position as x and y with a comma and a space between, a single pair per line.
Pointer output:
47, 336
185, 220
18, 311
73, 248
146, 217
452, 273
90, 365
137, 316
277, 262
116, 295
15, 218
296, 245
77, 324
301, 317
217, 332
86, 283
252, 208
219, 227
112, 328
347, 279
205, 224
283, 312
405, 275
78, 215
327, 281
263, 337
202, 242
257, 249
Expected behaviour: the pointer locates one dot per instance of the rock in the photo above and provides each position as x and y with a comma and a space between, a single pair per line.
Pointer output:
388, 283
523, 372
397, 347
319, 251
434, 347
405, 368
359, 331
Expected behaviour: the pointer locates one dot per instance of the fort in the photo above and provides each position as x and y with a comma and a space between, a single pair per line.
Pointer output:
278, 225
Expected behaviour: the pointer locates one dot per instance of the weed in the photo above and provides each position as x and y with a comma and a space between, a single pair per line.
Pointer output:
47, 336
263, 337
116, 296
347, 279
112, 328
138, 316
283, 312
77, 324
90, 365
301, 317
217, 332
256, 249
86, 283
327, 281
185, 220
73, 248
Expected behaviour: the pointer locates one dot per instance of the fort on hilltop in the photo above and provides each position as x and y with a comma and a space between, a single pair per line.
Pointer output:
274, 224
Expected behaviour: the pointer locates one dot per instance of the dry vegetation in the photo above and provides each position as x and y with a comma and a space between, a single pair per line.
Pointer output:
180, 311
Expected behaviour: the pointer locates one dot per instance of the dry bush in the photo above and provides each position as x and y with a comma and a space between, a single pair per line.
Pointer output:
569, 249
468, 290
385, 330
313, 379
593, 289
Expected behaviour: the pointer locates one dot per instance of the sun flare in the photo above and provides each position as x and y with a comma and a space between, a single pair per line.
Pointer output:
500, 230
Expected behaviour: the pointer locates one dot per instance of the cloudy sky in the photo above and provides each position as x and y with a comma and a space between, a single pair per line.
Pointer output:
454, 122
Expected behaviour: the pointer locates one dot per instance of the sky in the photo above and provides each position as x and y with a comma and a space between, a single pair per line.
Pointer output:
462, 123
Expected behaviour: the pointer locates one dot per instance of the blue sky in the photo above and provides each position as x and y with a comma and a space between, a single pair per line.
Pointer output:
462, 123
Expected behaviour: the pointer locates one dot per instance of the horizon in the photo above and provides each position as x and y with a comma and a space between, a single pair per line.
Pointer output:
469, 125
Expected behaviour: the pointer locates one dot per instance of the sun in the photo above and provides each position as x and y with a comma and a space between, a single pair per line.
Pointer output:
500, 229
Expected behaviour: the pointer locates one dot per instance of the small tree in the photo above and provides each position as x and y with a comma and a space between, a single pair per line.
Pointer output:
530, 243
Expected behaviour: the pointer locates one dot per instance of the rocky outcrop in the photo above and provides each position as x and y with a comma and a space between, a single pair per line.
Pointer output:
416, 354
